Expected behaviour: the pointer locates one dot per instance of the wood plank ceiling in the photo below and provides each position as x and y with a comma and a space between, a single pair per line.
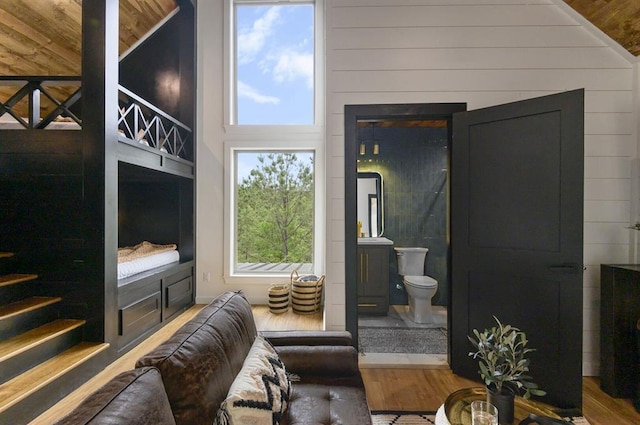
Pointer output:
44, 37
619, 19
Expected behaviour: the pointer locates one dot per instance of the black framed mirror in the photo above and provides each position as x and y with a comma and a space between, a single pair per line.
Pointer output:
370, 196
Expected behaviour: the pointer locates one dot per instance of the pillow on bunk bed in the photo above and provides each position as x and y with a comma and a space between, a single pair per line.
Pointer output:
143, 249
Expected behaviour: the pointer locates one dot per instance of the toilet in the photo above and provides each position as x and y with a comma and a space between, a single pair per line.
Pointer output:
420, 288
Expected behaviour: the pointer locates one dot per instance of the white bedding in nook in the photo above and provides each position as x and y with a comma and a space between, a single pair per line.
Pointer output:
129, 268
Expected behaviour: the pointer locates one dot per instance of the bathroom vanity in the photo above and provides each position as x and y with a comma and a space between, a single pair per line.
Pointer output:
373, 275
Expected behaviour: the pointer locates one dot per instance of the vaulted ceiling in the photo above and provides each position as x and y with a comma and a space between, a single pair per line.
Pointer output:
619, 19
43, 37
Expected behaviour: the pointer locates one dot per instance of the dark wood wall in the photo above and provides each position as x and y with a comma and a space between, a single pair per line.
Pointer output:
41, 219
161, 69
40, 189
155, 206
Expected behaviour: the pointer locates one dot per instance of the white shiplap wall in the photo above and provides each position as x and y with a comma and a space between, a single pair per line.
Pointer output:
487, 52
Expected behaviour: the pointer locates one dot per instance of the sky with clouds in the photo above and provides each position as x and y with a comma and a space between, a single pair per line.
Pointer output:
274, 59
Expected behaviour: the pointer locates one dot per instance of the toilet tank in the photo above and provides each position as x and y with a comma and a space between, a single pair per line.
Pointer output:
411, 261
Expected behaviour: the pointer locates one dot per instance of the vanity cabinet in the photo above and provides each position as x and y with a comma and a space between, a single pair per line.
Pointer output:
373, 279
619, 320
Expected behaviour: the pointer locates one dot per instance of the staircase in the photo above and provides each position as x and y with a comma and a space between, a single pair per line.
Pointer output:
42, 356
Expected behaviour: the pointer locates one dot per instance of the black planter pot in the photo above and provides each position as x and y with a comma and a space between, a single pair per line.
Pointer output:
504, 402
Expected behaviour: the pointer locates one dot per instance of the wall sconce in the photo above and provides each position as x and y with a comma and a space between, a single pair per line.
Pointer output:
362, 148
376, 148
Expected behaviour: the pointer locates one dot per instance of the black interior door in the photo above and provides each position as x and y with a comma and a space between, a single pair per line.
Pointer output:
516, 234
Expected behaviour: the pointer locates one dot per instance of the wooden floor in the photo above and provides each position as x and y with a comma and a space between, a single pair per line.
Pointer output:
387, 389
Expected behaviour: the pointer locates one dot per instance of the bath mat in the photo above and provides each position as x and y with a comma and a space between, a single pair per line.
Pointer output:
403, 418
402, 340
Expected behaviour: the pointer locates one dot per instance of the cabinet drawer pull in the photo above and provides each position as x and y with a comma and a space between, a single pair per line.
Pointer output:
367, 305
367, 267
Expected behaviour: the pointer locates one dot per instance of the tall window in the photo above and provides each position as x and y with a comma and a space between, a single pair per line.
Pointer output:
274, 139
274, 63
274, 201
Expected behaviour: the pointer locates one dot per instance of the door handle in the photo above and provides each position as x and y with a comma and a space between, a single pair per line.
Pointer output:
566, 267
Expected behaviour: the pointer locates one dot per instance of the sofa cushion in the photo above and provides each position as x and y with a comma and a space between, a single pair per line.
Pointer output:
134, 397
201, 360
320, 360
332, 402
260, 392
308, 337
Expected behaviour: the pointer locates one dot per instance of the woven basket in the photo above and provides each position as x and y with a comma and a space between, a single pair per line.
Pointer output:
279, 298
306, 295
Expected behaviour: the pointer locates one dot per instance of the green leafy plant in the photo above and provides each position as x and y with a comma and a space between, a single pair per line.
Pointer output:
502, 354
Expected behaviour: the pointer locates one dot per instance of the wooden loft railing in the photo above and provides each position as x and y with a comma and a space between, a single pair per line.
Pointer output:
138, 120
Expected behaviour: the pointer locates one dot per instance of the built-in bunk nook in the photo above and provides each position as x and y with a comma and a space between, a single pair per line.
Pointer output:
97, 181
155, 184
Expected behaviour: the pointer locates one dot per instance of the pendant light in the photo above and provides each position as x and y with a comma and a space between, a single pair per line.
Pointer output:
376, 145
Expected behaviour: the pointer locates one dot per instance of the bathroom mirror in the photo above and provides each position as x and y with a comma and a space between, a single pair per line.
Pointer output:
370, 204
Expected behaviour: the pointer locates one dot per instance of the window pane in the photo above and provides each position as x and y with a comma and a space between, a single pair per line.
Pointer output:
274, 211
274, 60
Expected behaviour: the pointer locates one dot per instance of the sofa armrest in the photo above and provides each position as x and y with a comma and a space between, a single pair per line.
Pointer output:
320, 360
134, 397
331, 338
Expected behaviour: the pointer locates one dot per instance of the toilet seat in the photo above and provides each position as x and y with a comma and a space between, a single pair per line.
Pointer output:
421, 281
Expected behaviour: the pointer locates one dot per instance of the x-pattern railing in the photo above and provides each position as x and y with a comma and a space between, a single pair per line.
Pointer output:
32, 88
141, 121
138, 119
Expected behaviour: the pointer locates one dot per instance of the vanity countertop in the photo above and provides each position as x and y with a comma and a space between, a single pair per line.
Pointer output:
375, 241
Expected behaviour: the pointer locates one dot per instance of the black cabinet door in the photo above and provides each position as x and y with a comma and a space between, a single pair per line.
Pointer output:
619, 318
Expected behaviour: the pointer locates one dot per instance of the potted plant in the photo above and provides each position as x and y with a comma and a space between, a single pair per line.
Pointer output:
502, 356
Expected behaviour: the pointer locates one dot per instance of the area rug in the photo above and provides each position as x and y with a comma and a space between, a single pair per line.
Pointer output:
403, 418
402, 340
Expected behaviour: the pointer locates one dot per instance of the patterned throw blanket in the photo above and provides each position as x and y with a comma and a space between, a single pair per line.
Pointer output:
143, 249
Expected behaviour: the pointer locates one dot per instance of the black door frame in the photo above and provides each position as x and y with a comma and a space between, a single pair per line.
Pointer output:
353, 114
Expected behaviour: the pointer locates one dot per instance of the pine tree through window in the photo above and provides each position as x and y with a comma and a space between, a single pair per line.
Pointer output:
274, 220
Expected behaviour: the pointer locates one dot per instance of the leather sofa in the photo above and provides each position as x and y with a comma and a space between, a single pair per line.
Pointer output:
185, 379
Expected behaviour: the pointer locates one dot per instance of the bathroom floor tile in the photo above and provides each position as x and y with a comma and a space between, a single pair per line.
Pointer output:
439, 315
398, 317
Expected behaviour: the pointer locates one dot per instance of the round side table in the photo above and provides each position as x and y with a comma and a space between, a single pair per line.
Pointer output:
456, 410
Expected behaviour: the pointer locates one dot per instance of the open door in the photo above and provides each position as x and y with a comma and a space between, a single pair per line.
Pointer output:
516, 234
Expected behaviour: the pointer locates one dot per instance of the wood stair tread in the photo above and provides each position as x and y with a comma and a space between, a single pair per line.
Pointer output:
13, 278
23, 342
22, 386
6, 254
26, 305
